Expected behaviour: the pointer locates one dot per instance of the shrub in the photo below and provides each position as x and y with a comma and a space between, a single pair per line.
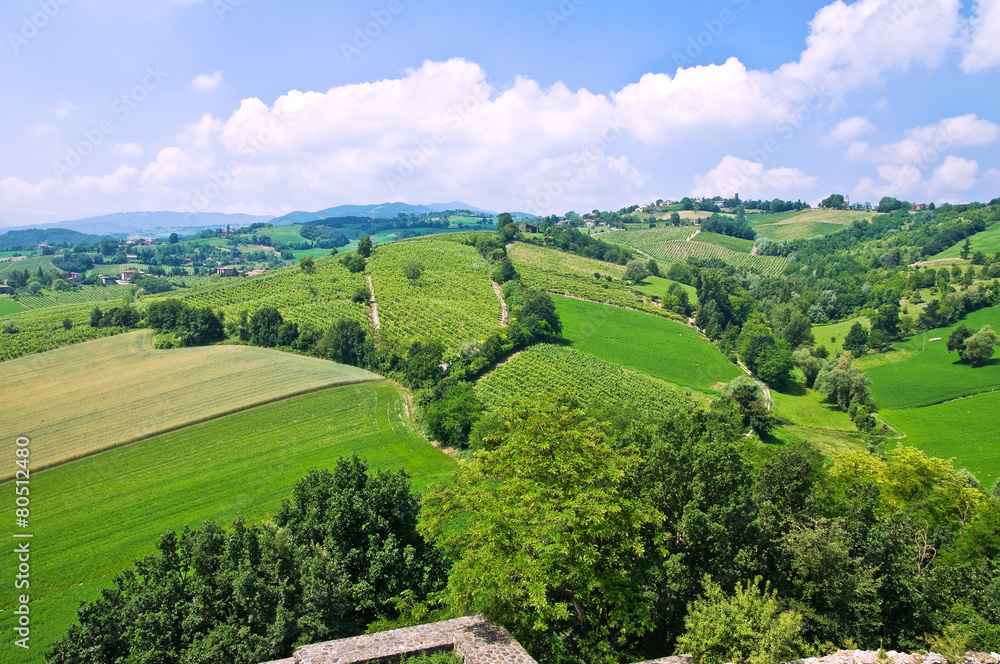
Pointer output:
746, 627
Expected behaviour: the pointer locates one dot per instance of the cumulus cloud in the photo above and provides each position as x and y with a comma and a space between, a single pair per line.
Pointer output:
851, 128
63, 110
925, 145
207, 82
750, 179
955, 174
128, 149
983, 48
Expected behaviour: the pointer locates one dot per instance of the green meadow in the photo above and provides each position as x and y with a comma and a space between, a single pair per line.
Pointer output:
656, 346
932, 375
965, 429
987, 242
92, 517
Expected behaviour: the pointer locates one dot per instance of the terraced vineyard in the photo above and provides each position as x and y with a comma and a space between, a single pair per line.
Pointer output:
318, 299
726, 242
31, 264
549, 369
452, 302
88, 294
663, 245
573, 276
42, 329
805, 223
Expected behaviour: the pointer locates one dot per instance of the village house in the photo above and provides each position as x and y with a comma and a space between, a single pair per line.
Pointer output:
4, 288
106, 281
226, 271
525, 227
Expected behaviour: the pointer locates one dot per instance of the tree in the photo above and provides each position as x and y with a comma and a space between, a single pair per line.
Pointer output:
450, 418
747, 627
505, 271
856, 340
653, 268
265, 326
980, 346
67, 324
956, 340
307, 264
966, 248
843, 383
546, 530
749, 398
413, 270
834, 201
353, 262
889, 204
635, 271
95, 317
809, 363
174, 239
365, 246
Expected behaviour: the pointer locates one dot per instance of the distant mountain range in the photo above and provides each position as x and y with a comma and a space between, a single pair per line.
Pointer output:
381, 211
158, 223
164, 223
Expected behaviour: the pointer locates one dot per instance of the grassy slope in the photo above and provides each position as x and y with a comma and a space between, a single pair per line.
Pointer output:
670, 351
659, 286
9, 306
726, 242
825, 333
934, 375
987, 242
568, 274
84, 398
965, 429
805, 224
546, 369
93, 517
452, 301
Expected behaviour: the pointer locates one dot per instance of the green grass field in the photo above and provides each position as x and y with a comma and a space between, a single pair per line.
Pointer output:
832, 335
670, 351
670, 245
659, 286
9, 306
569, 274
547, 369
93, 517
806, 408
736, 244
934, 375
88, 397
452, 302
805, 223
987, 242
965, 429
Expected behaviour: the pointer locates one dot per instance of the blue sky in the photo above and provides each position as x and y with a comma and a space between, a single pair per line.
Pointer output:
265, 107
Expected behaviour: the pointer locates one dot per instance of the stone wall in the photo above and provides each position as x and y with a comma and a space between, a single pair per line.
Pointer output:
475, 640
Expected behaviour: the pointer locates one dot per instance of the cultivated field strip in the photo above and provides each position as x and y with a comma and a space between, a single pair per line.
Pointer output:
79, 400
40, 330
661, 245
546, 369
573, 276
94, 294
452, 302
318, 299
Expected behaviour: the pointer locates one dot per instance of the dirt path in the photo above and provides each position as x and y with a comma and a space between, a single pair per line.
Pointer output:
767, 392
693, 235
374, 315
504, 313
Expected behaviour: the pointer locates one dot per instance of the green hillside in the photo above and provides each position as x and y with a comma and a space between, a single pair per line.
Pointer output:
805, 223
161, 390
547, 369
965, 429
671, 351
933, 375
93, 517
670, 245
987, 242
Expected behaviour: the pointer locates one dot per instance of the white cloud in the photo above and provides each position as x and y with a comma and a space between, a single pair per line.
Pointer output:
983, 49
63, 110
925, 145
851, 128
207, 82
955, 174
128, 149
750, 179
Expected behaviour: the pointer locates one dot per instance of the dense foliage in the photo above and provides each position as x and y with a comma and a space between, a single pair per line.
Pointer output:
335, 556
